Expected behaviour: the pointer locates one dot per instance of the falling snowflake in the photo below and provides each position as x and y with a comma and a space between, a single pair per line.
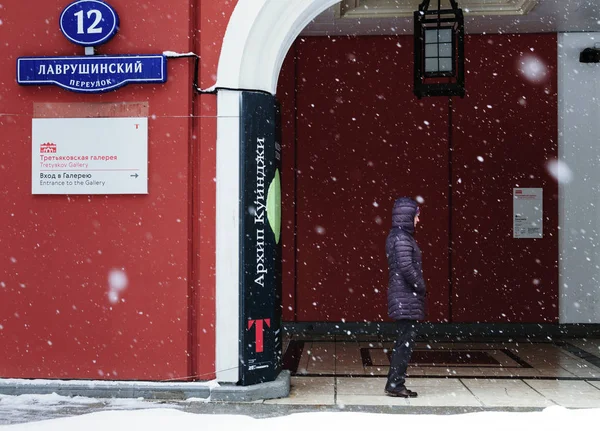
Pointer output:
560, 171
533, 69
117, 283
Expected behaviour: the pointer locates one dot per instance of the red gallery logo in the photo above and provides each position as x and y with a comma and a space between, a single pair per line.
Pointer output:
259, 332
48, 147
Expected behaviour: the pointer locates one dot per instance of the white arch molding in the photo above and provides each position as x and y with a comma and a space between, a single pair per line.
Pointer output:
258, 37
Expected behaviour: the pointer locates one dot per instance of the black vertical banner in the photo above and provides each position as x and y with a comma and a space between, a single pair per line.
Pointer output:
260, 235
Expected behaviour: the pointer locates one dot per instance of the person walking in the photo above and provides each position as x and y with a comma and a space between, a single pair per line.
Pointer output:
406, 291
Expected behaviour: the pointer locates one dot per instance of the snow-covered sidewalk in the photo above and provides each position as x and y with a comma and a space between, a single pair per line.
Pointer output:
34, 407
550, 419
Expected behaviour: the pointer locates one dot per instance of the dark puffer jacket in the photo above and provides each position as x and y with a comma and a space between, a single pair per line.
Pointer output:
406, 287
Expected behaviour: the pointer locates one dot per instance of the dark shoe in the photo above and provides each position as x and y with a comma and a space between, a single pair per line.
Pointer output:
413, 394
401, 393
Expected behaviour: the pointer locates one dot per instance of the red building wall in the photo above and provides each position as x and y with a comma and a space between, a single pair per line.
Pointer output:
57, 252
361, 139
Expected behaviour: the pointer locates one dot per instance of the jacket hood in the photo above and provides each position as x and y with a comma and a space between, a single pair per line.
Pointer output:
403, 214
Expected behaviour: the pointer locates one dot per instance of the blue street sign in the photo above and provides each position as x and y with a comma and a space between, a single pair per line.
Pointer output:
89, 22
92, 74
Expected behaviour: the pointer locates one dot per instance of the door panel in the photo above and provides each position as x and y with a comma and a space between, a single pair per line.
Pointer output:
362, 141
505, 132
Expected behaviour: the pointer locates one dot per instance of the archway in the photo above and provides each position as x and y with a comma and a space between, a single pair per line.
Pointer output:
267, 32
257, 39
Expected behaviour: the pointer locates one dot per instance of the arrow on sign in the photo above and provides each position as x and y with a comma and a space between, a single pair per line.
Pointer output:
134, 175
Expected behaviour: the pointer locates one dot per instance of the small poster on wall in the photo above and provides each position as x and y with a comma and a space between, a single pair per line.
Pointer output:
528, 214
90, 156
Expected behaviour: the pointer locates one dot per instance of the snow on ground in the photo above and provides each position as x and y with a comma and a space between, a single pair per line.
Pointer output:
22, 408
551, 419
115, 384
50, 401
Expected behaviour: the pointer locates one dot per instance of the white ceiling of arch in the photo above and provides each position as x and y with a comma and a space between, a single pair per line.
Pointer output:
383, 17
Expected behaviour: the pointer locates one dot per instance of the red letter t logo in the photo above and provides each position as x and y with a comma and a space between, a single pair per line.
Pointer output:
259, 332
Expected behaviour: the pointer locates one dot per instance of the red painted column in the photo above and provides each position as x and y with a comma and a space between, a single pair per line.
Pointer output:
212, 18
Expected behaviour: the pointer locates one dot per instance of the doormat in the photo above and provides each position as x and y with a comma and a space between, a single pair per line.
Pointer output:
436, 358
446, 358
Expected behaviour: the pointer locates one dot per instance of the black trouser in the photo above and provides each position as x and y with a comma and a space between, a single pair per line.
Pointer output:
401, 354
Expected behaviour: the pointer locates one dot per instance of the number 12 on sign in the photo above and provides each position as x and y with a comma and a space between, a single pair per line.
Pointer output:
92, 29
89, 22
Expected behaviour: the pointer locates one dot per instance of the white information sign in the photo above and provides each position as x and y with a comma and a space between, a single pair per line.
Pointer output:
89, 156
528, 214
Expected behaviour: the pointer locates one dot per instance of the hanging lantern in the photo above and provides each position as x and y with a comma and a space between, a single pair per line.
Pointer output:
439, 38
